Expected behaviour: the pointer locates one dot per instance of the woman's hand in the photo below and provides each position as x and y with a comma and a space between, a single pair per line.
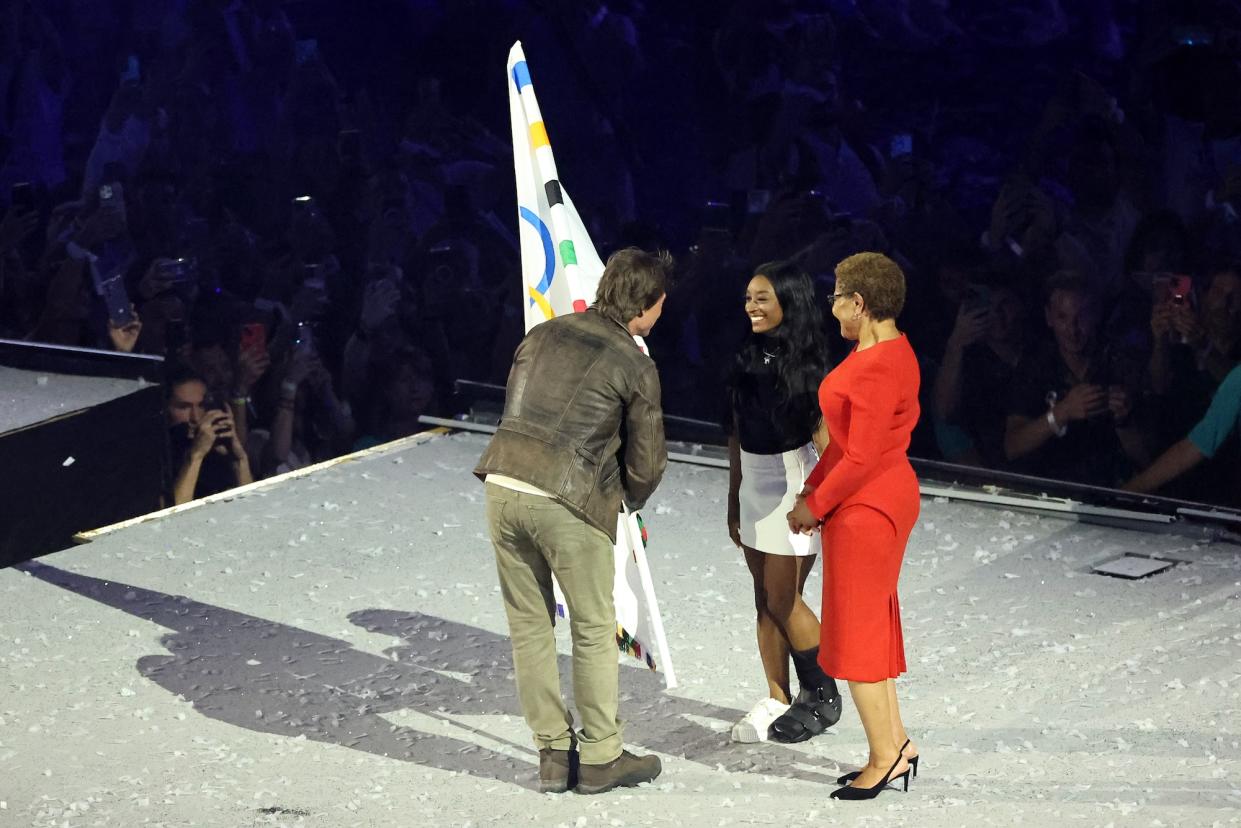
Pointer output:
801, 519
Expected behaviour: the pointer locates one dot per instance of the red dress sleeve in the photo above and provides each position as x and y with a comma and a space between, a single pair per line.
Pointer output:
831, 455
873, 395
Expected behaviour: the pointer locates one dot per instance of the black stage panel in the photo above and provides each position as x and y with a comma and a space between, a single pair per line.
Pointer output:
82, 444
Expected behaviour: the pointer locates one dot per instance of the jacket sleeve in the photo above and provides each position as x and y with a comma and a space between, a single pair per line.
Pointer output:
873, 398
645, 452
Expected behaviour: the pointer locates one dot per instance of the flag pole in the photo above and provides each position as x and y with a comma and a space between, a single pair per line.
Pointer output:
638, 549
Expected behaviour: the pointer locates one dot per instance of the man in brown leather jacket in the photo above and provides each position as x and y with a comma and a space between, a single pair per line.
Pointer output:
582, 431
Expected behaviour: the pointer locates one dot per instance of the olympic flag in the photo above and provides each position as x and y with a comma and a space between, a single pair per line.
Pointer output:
560, 273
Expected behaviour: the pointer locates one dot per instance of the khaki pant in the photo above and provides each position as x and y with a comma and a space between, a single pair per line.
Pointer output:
534, 538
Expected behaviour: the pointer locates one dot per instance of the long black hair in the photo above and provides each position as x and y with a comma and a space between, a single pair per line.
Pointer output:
798, 342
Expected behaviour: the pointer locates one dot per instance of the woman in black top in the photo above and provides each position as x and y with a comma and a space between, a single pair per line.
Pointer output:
774, 420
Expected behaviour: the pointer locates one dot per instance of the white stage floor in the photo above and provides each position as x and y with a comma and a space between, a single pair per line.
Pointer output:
331, 651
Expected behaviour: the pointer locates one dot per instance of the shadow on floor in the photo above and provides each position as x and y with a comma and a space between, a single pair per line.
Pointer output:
274, 678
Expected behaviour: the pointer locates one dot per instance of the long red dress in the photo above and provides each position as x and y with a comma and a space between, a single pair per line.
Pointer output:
868, 493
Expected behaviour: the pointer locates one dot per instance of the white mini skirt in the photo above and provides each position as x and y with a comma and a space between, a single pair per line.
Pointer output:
769, 486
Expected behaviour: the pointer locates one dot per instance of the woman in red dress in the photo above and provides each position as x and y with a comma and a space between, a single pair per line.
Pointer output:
865, 495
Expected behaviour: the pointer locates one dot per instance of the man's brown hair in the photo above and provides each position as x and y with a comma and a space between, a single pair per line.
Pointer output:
632, 281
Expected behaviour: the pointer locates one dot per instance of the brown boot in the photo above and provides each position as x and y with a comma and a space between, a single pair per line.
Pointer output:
557, 770
624, 771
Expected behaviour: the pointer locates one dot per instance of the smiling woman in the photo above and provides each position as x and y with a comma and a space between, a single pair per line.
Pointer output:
774, 417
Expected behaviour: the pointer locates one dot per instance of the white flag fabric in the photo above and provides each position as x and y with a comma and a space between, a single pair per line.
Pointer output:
560, 273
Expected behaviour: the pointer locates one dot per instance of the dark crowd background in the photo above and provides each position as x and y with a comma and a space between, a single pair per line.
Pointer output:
308, 207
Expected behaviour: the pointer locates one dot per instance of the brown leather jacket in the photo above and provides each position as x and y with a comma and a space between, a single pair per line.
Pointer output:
582, 418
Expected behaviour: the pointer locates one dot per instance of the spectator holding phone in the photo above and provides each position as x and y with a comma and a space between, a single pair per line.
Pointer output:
979, 365
1069, 408
124, 335
311, 423
208, 457
1192, 350
1211, 334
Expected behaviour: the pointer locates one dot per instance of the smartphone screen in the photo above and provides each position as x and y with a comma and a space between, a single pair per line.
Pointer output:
116, 301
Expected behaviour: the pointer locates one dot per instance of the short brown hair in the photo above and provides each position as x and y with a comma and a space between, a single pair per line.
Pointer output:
632, 281
1067, 281
880, 281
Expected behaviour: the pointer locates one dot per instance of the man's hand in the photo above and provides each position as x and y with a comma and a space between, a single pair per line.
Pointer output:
970, 327
379, 302
125, 337
1119, 403
801, 519
1082, 402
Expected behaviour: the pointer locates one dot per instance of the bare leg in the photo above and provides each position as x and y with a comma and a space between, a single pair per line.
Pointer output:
898, 726
773, 649
874, 709
783, 579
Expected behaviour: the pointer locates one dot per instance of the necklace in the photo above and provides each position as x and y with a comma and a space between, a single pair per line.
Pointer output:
768, 356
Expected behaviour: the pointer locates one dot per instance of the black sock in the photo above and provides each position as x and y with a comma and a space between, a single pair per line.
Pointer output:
810, 675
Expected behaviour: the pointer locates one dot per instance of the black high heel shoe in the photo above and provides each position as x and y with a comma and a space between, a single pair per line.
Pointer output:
913, 766
854, 793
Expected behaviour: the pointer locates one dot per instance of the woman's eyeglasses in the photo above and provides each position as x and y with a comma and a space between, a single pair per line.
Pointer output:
831, 300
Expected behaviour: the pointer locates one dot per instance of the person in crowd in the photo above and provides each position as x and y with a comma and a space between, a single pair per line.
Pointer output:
582, 434
1192, 348
1070, 410
863, 493
207, 456
403, 392
774, 418
1213, 441
979, 365
310, 423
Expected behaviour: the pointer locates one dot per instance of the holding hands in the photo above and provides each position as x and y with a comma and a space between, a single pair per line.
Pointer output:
801, 519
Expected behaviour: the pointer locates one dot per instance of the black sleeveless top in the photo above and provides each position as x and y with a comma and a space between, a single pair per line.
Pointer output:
765, 423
